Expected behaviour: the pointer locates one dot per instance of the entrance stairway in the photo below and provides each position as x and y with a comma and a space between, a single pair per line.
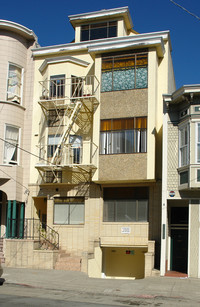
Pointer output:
67, 262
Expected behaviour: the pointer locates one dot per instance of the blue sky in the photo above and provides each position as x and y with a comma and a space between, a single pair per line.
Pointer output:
49, 20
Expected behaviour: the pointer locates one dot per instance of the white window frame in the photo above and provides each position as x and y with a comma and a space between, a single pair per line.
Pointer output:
196, 143
22, 83
10, 162
185, 125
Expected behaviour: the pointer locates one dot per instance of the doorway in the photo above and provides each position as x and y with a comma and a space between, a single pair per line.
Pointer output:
179, 239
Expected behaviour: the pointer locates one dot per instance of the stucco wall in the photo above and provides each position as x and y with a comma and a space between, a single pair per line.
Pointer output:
121, 104
123, 167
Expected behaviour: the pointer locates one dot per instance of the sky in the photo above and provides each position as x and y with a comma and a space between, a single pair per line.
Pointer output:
49, 20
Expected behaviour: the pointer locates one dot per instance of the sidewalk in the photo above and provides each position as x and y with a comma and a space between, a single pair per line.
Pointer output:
81, 283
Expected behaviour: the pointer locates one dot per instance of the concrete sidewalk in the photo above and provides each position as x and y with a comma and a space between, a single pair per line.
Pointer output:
79, 282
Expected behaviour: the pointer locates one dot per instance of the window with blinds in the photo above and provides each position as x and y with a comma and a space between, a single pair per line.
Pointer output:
128, 204
121, 136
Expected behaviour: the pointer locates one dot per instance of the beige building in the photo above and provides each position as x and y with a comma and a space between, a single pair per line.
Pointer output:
16, 99
95, 184
180, 250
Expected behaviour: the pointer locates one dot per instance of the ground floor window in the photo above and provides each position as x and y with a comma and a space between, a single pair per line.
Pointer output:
125, 205
69, 211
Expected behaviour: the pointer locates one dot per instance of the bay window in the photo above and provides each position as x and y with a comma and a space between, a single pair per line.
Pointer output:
14, 87
124, 72
11, 145
184, 145
198, 142
120, 136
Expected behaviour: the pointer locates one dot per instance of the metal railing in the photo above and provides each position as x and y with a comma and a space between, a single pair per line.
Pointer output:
68, 88
70, 154
33, 229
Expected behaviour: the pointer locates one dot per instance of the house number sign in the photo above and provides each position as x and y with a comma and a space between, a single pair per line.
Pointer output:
125, 230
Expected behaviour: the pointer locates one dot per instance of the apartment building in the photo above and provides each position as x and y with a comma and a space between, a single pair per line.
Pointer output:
95, 182
180, 250
16, 98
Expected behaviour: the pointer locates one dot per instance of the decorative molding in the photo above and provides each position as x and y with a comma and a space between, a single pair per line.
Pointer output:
62, 59
17, 28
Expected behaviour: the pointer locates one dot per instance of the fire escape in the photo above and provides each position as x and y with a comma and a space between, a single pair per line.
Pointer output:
66, 128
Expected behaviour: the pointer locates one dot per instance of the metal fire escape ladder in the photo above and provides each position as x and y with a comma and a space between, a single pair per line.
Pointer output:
58, 151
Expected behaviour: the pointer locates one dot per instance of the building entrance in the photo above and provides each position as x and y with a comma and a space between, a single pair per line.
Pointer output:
179, 239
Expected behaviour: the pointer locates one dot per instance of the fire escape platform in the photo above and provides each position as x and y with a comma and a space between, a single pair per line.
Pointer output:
70, 167
64, 103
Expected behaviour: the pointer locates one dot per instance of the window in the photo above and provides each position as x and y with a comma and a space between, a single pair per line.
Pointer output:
77, 87
53, 141
14, 89
198, 175
11, 145
124, 72
184, 145
125, 210
198, 142
69, 211
53, 177
184, 177
54, 117
57, 86
128, 204
127, 135
76, 148
98, 30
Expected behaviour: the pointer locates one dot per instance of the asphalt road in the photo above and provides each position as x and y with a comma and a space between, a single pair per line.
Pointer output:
19, 295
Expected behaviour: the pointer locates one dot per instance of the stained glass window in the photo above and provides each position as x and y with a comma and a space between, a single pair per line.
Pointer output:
124, 72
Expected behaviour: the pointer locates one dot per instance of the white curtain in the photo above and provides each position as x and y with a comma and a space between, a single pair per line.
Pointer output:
14, 82
12, 137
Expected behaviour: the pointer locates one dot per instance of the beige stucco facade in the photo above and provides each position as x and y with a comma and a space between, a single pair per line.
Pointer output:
16, 99
74, 166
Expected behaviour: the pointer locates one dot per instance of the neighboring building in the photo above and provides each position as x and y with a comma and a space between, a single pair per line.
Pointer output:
181, 178
16, 100
97, 133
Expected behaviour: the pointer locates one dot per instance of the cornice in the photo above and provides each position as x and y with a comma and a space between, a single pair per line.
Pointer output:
62, 59
141, 40
121, 11
17, 28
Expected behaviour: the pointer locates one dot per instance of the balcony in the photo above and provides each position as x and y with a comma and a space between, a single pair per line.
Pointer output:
61, 92
69, 157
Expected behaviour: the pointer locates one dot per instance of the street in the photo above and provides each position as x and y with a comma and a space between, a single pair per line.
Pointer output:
23, 295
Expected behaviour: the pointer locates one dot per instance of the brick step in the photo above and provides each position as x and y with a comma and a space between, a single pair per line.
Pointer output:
67, 266
67, 262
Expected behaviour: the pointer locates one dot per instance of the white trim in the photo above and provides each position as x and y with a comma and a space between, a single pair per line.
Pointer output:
189, 240
121, 11
139, 40
16, 27
199, 245
62, 59
196, 142
164, 195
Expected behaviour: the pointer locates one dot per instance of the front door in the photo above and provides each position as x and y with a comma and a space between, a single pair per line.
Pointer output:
179, 250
